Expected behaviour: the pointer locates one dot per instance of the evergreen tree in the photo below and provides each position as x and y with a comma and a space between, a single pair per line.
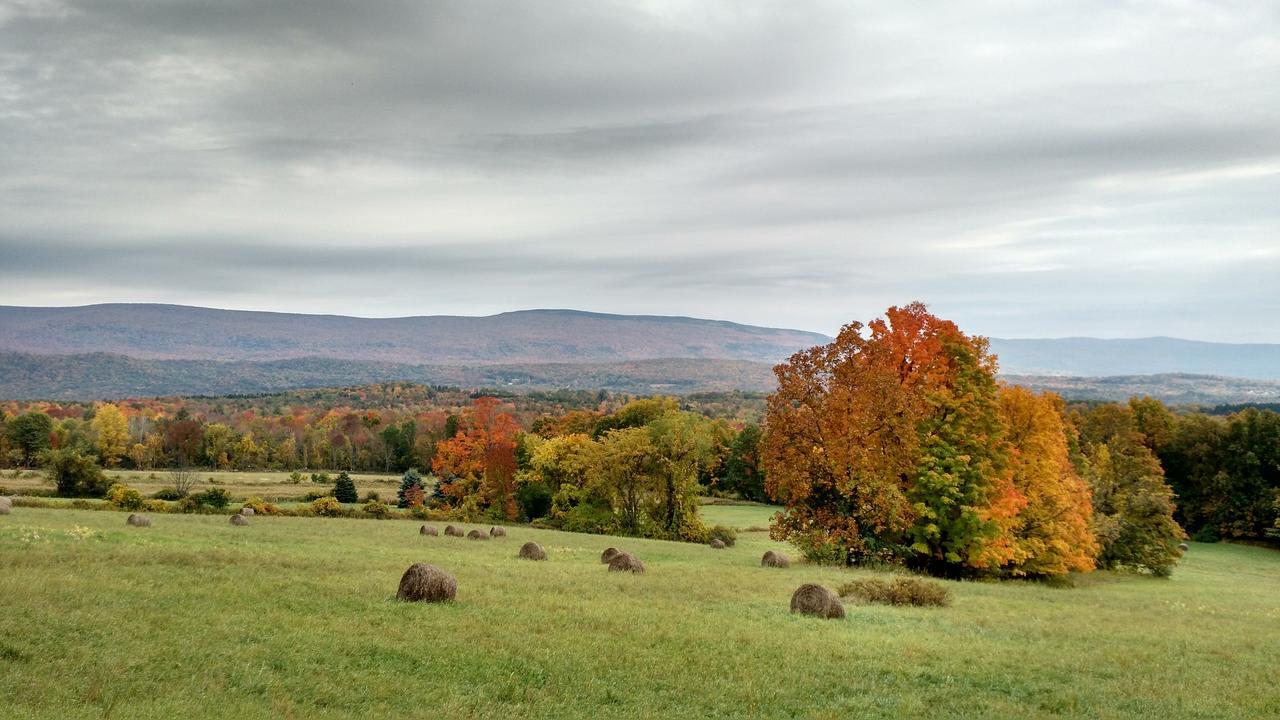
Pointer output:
344, 490
410, 478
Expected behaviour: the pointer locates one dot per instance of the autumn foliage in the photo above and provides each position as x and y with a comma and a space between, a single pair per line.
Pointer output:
895, 443
478, 464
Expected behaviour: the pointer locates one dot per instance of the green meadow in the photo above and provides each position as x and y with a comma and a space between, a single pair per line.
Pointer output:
296, 618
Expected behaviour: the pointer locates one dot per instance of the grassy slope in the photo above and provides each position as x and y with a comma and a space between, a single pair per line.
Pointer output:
266, 484
294, 618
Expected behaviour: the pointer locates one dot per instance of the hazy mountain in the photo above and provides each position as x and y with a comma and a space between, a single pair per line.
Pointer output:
1138, 356
102, 376
176, 332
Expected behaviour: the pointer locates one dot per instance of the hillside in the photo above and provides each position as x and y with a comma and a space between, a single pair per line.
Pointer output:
94, 376
1094, 357
175, 332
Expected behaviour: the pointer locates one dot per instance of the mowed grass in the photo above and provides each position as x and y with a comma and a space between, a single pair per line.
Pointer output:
268, 485
295, 618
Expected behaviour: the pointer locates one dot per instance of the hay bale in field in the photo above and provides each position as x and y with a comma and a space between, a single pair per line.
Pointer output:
532, 551
608, 554
810, 599
1183, 547
239, 520
137, 520
6, 505
477, 535
717, 544
453, 531
428, 530
426, 583
497, 532
246, 511
773, 558
626, 562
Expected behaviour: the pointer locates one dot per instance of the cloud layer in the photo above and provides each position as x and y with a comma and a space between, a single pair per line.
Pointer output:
1072, 168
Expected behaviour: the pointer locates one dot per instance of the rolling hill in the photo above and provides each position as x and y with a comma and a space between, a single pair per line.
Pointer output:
176, 332
127, 350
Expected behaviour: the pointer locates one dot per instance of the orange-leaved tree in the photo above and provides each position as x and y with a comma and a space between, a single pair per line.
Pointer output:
478, 464
886, 444
1051, 534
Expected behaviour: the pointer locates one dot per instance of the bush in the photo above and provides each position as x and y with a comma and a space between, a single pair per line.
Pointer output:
124, 497
320, 478
155, 506
588, 518
724, 534
372, 496
172, 494
75, 474
328, 506
296, 477
262, 507
216, 498
376, 509
316, 495
344, 490
899, 591
534, 500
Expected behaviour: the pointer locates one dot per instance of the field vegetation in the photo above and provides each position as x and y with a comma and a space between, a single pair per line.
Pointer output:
295, 618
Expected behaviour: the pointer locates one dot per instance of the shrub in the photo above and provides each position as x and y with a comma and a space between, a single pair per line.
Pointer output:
534, 500
154, 506
172, 494
75, 474
724, 534
327, 506
344, 489
899, 591
321, 478
216, 498
262, 507
820, 550
296, 477
124, 497
587, 518
372, 496
377, 510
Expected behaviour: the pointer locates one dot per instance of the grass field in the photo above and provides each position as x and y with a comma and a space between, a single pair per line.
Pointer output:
295, 618
271, 486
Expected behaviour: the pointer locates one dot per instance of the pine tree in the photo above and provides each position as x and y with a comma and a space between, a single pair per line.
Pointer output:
410, 478
344, 490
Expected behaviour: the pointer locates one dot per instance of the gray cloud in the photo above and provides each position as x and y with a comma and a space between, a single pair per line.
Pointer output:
1064, 168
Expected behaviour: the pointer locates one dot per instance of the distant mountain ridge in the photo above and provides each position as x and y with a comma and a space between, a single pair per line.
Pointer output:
179, 332
1094, 357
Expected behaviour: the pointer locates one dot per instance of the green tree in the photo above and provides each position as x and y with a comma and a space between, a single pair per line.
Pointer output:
409, 479
30, 434
344, 489
75, 474
742, 472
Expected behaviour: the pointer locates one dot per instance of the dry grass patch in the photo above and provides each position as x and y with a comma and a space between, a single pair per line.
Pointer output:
898, 591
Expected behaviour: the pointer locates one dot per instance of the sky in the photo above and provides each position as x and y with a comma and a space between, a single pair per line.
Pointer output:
1048, 169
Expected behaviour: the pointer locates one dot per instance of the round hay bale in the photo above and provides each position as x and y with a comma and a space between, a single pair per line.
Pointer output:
137, 520
624, 562
532, 551
428, 530
717, 544
772, 558
477, 535
452, 531
426, 583
608, 554
810, 599
239, 520
246, 511
1183, 547
497, 532
6, 505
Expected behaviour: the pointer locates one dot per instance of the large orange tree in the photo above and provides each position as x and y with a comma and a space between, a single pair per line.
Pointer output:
887, 444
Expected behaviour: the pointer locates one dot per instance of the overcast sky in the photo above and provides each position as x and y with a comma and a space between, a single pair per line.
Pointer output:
1028, 169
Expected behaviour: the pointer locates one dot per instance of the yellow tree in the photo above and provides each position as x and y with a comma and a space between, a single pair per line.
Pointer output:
1051, 533
112, 430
